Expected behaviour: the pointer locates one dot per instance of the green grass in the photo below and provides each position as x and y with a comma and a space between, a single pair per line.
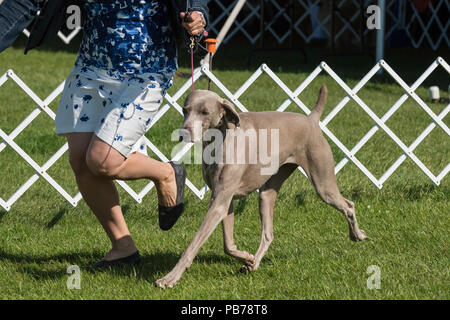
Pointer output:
311, 257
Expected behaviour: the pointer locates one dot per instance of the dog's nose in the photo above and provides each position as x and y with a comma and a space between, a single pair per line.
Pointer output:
184, 135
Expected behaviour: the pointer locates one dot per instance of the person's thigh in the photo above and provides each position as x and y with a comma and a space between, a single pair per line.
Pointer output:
127, 116
88, 152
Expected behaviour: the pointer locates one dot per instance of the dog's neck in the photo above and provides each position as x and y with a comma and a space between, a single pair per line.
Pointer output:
223, 127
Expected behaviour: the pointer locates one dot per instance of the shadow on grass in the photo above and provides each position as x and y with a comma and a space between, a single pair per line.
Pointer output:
125, 208
56, 218
62, 212
73, 257
418, 191
2, 214
239, 205
158, 264
149, 269
47, 266
356, 194
415, 192
300, 197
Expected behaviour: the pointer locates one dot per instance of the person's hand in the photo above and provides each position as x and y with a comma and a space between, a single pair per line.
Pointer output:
195, 25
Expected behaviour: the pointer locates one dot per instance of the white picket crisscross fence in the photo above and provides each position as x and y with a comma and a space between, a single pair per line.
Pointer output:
292, 97
399, 22
66, 39
395, 12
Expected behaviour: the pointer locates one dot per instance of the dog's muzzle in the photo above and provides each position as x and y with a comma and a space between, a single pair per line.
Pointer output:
184, 135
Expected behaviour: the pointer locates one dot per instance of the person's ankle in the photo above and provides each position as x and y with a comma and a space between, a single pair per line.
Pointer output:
167, 175
170, 173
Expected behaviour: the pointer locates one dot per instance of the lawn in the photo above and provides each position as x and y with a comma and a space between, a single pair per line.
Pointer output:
311, 256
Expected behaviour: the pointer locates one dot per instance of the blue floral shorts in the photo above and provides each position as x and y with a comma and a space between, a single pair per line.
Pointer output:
118, 112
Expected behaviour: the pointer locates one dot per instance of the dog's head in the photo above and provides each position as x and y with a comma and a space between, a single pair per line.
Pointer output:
203, 110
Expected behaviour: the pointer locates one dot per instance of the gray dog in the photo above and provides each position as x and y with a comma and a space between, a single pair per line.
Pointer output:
300, 143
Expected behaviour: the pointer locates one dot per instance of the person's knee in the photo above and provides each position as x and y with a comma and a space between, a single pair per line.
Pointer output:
77, 162
101, 166
78, 145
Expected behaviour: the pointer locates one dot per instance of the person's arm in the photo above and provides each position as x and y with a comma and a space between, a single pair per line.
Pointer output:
15, 16
201, 6
199, 17
195, 25
48, 23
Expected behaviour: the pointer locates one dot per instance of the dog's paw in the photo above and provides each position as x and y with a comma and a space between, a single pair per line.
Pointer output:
363, 235
167, 282
245, 269
250, 265
249, 259
360, 235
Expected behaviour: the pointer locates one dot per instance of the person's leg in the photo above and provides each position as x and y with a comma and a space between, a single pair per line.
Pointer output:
101, 196
103, 160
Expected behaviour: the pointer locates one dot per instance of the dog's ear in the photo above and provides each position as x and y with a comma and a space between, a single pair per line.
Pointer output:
230, 113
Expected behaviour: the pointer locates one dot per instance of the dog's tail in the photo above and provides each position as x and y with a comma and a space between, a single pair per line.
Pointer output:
318, 109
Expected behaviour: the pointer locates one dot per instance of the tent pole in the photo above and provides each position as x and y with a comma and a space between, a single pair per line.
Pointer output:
380, 32
226, 27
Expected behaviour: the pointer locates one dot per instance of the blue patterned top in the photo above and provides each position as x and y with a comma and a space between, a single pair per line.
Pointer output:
129, 38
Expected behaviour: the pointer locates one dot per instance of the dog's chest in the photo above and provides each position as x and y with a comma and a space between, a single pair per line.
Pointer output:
208, 173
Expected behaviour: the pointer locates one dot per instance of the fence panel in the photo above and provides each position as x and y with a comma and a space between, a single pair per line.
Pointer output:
401, 15
291, 97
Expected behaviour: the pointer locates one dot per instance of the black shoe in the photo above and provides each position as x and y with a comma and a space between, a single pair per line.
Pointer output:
167, 216
135, 258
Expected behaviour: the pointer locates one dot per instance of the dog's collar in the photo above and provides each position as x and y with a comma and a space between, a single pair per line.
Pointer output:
223, 121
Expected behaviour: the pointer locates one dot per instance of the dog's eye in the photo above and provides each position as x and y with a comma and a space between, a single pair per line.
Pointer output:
205, 113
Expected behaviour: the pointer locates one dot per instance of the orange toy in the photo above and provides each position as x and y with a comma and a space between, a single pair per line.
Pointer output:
211, 45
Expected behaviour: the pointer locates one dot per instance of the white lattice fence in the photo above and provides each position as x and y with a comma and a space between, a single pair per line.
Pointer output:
425, 24
291, 97
396, 15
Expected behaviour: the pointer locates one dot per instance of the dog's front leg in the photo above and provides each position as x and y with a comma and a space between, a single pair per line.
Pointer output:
216, 213
228, 240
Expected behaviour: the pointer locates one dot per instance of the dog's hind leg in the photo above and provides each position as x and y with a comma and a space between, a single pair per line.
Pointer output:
267, 196
228, 239
320, 170
337, 201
